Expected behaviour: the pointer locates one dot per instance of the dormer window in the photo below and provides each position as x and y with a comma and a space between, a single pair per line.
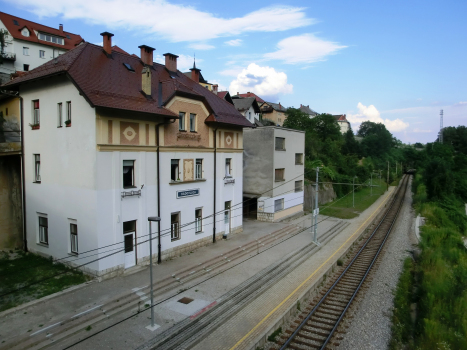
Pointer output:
25, 32
127, 66
51, 38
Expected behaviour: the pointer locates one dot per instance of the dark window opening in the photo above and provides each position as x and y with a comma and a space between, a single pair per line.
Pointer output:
175, 226
43, 230
128, 173
15, 22
174, 170
74, 238
26, 67
127, 66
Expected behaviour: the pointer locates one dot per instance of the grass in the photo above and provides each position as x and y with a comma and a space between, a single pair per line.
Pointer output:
19, 269
342, 208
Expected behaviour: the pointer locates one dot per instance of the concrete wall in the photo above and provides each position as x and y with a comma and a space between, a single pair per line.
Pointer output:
11, 225
326, 194
10, 130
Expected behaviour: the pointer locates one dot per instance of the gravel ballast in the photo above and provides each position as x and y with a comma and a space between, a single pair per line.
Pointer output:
370, 327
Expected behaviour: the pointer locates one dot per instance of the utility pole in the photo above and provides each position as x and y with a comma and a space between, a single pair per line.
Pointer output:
371, 184
353, 193
316, 211
396, 170
151, 219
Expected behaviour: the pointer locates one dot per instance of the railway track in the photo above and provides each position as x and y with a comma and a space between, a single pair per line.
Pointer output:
316, 328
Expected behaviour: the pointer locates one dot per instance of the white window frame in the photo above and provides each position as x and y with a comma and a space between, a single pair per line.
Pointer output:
51, 38
199, 220
37, 168
175, 226
198, 168
59, 114
25, 51
42, 235
181, 121
278, 205
192, 122
68, 112
41, 53
129, 163
36, 112
73, 237
228, 167
177, 169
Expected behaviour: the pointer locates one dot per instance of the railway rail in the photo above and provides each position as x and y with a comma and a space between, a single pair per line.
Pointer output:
318, 326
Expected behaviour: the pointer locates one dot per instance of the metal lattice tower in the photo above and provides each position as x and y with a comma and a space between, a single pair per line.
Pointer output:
440, 138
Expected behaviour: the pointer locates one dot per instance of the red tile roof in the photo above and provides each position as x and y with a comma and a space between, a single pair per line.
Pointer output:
340, 118
251, 94
106, 82
15, 31
222, 94
117, 49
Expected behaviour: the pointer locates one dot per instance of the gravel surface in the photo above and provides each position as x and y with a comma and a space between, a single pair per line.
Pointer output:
371, 326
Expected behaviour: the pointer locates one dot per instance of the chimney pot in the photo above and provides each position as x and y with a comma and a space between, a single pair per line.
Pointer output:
215, 88
171, 62
107, 44
147, 55
195, 74
60, 28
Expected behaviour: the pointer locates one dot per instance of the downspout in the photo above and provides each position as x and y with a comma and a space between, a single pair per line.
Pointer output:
158, 177
215, 171
23, 181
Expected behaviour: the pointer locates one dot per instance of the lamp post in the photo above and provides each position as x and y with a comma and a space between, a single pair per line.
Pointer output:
315, 214
151, 219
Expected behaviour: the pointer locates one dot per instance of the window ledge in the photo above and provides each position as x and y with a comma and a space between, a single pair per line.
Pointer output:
60, 126
185, 182
43, 244
36, 182
126, 188
199, 232
279, 180
281, 149
73, 254
298, 163
194, 132
175, 239
181, 130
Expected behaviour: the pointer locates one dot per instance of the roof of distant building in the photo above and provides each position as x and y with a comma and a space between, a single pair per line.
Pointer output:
276, 106
242, 104
308, 110
113, 85
225, 95
250, 94
15, 25
340, 118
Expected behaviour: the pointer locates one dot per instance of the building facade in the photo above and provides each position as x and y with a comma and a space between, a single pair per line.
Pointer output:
274, 112
29, 45
273, 171
114, 139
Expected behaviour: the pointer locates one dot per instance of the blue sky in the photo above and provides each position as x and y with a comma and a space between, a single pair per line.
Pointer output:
396, 62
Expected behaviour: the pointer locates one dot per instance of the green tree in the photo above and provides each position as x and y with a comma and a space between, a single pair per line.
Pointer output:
377, 140
350, 146
297, 120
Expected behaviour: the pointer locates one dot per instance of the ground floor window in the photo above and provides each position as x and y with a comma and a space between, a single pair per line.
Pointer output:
278, 204
175, 226
298, 186
43, 230
198, 220
74, 238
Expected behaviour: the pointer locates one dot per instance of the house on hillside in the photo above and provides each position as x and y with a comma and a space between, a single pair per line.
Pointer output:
342, 122
29, 45
111, 139
274, 111
248, 107
273, 172
308, 110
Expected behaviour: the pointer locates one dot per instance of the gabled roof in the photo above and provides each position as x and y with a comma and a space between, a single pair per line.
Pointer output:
201, 78
70, 39
276, 106
308, 110
225, 95
105, 82
242, 104
340, 118
118, 49
251, 94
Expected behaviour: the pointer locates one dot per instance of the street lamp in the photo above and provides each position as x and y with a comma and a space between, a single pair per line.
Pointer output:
151, 219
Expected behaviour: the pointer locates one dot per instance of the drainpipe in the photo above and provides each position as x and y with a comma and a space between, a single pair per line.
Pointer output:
23, 181
158, 177
215, 171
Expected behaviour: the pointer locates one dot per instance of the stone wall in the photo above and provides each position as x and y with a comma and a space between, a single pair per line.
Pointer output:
11, 223
326, 194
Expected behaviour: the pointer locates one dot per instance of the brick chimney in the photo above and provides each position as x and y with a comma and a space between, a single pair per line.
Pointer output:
60, 28
280, 107
146, 80
195, 74
147, 55
215, 88
107, 42
171, 62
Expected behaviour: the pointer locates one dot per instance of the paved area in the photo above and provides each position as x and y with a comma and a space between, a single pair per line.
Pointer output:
132, 332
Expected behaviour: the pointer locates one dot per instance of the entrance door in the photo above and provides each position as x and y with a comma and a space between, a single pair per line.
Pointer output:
227, 217
129, 237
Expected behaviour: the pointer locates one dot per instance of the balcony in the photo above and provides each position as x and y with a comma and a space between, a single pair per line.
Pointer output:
8, 56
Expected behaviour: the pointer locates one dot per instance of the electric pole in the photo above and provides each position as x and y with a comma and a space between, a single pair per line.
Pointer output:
387, 184
316, 211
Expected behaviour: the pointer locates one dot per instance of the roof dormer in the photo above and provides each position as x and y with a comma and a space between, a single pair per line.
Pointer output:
25, 32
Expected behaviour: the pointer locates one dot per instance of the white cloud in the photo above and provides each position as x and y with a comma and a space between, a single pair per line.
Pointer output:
234, 42
305, 48
461, 103
266, 82
371, 114
232, 72
175, 22
201, 46
420, 130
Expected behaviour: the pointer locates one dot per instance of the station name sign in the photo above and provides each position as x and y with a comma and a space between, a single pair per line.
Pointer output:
188, 193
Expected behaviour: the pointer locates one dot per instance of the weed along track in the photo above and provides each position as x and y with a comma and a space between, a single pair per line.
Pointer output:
317, 326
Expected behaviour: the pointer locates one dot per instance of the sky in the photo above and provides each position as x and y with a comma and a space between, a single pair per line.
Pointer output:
397, 62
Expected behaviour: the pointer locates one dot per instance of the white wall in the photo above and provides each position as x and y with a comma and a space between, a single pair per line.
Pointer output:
290, 200
33, 59
68, 168
250, 114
